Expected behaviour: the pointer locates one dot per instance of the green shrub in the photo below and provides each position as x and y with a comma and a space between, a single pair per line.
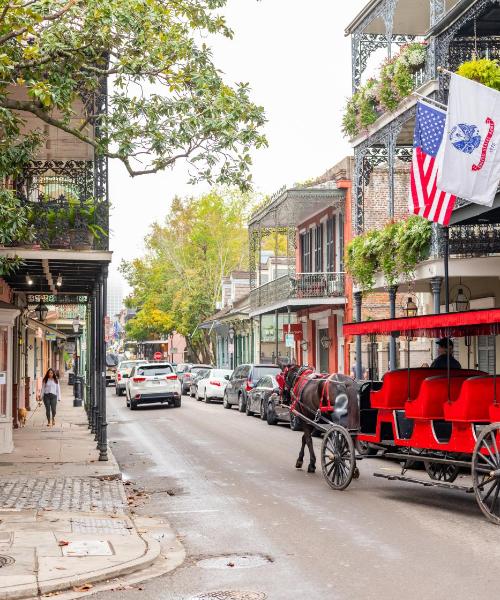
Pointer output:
483, 70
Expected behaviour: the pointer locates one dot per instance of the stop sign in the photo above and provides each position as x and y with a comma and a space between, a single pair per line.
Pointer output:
158, 355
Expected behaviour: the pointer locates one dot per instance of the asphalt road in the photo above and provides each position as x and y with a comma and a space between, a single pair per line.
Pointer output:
227, 484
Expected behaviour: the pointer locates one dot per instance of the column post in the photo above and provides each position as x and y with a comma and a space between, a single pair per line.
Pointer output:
97, 353
436, 293
102, 444
392, 340
359, 352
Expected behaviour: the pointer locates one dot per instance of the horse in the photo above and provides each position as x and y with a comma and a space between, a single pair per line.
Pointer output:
309, 392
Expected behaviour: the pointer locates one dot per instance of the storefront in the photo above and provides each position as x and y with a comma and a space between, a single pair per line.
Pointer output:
8, 314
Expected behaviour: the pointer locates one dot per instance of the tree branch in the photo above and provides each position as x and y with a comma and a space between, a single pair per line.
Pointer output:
52, 17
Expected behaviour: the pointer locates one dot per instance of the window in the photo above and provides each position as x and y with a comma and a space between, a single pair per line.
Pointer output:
330, 244
318, 249
263, 382
306, 251
341, 242
259, 372
154, 370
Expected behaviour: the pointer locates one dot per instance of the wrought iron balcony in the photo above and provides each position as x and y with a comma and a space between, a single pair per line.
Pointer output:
297, 287
65, 207
470, 240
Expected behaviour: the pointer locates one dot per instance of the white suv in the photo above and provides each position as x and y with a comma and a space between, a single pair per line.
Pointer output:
153, 383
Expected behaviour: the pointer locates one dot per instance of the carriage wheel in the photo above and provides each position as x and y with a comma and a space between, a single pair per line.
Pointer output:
441, 471
486, 473
338, 460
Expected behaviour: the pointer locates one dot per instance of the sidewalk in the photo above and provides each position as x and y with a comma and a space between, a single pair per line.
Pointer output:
64, 521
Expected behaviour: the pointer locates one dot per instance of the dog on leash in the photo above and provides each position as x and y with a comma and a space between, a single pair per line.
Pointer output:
22, 415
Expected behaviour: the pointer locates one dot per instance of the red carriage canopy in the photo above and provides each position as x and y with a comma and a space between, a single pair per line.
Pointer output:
457, 324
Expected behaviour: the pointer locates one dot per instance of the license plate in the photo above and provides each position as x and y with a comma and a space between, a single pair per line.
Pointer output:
157, 382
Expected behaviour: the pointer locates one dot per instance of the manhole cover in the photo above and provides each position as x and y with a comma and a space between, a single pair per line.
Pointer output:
5, 561
234, 562
230, 595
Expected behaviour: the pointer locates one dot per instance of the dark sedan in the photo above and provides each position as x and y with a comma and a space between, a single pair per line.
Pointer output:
197, 374
277, 412
258, 397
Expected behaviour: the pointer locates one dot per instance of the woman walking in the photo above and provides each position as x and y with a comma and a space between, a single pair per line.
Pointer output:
51, 394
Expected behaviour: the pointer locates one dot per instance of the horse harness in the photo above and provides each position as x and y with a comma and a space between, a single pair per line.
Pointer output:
300, 383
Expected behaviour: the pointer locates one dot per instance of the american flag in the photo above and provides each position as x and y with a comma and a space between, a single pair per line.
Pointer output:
425, 198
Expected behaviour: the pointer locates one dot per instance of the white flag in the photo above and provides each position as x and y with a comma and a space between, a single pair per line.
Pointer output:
469, 157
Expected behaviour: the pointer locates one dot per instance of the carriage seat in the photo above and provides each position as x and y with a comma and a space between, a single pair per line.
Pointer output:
495, 407
474, 401
432, 395
394, 391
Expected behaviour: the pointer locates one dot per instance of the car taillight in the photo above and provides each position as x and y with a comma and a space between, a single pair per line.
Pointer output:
249, 385
119, 376
187, 375
214, 383
138, 379
171, 377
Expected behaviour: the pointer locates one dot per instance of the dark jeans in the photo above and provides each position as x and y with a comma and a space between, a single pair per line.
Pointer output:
50, 401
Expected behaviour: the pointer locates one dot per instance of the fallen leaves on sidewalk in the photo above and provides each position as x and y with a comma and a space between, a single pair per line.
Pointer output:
83, 588
62, 543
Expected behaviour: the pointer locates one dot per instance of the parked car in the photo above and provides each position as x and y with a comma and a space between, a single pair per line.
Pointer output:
111, 364
277, 412
196, 375
186, 374
122, 373
153, 383
213, 385
242, 381
258, 397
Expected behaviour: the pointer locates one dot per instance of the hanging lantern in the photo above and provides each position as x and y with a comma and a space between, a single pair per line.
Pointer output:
462, 302
41, 311
410, 309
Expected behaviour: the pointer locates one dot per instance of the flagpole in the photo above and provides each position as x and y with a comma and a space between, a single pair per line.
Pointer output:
446, 270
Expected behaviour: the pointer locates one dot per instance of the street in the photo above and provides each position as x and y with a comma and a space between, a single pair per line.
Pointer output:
227, 484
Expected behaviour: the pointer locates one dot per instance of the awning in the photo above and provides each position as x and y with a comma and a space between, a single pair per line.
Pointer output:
456, 324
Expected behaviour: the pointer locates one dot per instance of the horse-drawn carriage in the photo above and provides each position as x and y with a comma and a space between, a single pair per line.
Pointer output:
449, 419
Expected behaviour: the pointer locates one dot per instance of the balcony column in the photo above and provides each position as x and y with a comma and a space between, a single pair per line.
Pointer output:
392, 340
102, 444
92, 363
436, 293
97, 355
276, 339
359, 352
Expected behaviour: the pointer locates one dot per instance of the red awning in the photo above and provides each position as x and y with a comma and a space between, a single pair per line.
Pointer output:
457, 324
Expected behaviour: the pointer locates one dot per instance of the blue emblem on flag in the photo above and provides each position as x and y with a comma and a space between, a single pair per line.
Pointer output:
465, 138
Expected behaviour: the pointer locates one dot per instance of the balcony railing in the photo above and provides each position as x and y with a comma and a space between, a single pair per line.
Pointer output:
64, 207
469, 240
298, 286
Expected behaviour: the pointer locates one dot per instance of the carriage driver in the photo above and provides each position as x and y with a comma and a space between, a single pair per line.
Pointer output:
445, 345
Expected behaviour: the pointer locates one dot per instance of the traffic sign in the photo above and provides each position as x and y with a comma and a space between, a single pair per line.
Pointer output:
158, 355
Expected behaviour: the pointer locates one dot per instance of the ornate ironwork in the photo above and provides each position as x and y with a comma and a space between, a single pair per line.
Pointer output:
470, 240
298, 286
33, 299
453, 49
62, 210
382, 143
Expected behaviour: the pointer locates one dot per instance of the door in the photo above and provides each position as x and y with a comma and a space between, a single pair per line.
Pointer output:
486, 353
4, 349
232, 386
323, 352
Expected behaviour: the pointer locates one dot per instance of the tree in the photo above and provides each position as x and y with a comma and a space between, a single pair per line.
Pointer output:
166, 99
202, 240
149, 323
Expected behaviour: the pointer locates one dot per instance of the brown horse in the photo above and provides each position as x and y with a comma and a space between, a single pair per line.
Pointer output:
342, 392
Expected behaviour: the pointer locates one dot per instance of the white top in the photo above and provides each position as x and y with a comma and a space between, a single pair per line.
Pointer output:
51, 387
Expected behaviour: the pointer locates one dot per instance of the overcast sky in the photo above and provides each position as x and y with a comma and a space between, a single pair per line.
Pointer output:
298, 63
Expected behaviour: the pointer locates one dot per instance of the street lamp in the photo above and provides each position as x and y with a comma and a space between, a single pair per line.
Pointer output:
41, 311
410, 309
461, 301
